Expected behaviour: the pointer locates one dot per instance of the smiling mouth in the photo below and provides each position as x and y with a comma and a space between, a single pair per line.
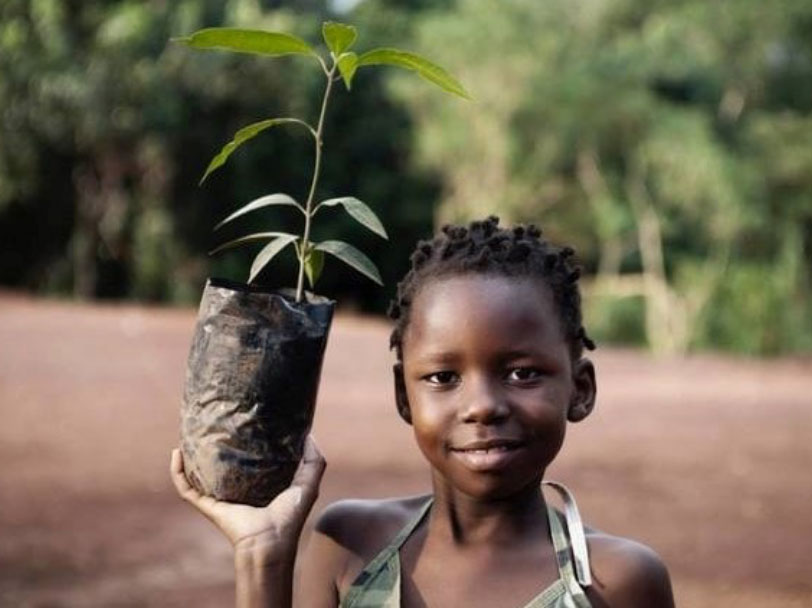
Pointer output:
486, 446
487, 450
485, 456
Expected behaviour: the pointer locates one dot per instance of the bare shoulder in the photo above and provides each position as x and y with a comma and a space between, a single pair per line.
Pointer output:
346, 536
627, 573
364, 527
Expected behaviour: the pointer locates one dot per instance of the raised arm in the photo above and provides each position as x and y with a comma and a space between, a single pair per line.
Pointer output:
264, 538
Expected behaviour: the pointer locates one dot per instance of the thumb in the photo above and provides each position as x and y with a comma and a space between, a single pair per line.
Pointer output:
310, 471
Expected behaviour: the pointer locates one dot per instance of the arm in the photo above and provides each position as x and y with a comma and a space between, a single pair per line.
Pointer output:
264, 538
347, 535
338, 549
321, 572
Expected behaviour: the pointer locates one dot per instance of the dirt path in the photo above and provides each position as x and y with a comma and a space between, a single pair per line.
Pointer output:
706, 459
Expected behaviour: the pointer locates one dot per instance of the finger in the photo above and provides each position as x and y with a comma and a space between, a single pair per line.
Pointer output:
205, 504
310, 471
311, 450
176, 461
182, 485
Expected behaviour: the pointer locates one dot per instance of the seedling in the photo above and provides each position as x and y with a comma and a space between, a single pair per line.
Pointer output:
341, 64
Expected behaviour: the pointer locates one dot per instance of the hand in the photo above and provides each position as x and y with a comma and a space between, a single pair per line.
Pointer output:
272, 530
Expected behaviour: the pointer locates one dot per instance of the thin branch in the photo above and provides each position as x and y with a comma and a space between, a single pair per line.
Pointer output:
323, 65
305, 124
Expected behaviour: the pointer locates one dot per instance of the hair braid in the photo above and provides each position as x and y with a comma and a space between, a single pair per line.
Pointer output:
483, 247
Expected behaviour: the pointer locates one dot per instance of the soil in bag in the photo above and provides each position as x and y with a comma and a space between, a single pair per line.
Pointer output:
251, 385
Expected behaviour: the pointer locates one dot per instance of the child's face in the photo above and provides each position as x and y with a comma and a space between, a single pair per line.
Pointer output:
490, 382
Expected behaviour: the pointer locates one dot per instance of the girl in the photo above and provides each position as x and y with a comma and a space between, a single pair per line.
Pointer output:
489, 370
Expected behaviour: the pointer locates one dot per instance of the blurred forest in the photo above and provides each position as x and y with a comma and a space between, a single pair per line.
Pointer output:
669, 141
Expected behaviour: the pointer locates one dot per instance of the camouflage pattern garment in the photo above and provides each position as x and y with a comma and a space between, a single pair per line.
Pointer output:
378, 584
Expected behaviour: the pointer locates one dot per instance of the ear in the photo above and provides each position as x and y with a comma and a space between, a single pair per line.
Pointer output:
401, 399
582, 401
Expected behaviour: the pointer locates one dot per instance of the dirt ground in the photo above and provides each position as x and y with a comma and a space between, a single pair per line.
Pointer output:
707, 459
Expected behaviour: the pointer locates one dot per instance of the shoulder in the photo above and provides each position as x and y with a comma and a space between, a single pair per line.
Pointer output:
627, 573
350, 533
367, 526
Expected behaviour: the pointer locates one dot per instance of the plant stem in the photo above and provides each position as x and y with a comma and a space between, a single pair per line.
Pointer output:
303, 250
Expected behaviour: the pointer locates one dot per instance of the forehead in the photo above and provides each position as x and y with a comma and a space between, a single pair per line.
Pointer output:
475, 310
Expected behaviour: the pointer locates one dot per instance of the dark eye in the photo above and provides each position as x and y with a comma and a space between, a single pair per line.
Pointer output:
442, 378
523, 374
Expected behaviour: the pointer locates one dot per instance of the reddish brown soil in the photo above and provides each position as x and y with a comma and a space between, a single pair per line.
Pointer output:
707, 459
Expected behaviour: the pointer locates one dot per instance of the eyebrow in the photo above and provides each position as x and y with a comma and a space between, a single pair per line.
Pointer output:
518, 354
438, 357
450, 358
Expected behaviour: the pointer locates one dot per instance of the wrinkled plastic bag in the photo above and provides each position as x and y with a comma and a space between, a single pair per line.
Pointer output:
250, 393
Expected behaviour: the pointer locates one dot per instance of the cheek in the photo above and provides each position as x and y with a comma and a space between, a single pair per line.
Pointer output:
557, 396
425, 421
429, 422
546, 415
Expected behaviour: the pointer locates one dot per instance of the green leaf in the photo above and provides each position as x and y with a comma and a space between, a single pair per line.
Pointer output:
314, 262
242, 136
351, 256
264, 201
411, 61
257, 236
240, 40
338, 36
360, 211
347, 64
268, 252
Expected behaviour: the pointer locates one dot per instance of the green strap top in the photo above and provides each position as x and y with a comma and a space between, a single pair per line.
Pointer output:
378, 585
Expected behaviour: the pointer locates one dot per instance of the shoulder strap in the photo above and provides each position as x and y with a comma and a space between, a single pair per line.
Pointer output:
562, 555
407, 530
577, 537
382, 560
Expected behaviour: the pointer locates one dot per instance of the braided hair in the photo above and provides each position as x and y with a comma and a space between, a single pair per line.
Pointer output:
485, 248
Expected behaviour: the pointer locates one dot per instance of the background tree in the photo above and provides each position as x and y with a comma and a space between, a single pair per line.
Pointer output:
109, 127
671, 141
641, 128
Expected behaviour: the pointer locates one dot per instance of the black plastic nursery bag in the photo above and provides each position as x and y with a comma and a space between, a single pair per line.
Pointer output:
250, 393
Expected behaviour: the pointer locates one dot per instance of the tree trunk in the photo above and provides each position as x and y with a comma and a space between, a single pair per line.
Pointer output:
597, 195
85, 241
666, 323
100, 198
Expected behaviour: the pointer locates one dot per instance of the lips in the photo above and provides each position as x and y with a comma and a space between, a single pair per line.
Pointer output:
488, 454
497, 443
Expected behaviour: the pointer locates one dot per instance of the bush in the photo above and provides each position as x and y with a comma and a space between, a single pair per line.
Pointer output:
756, 310
615, 320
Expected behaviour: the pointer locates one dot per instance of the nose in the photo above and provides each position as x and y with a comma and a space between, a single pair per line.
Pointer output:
484, 402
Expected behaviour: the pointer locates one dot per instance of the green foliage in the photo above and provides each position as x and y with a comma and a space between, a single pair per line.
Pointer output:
105, 126
411, 61
616, 320
239, 40
338, 37
242, 136
750, 313
667, 140
248, 238
347, 65
358, 210
268, 252
314, 263
352, 257
586, 114
264, 201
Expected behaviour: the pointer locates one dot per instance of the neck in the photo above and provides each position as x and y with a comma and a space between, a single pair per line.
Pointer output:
466, 520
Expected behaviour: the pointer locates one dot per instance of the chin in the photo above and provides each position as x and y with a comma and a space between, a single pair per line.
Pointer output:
497, 489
